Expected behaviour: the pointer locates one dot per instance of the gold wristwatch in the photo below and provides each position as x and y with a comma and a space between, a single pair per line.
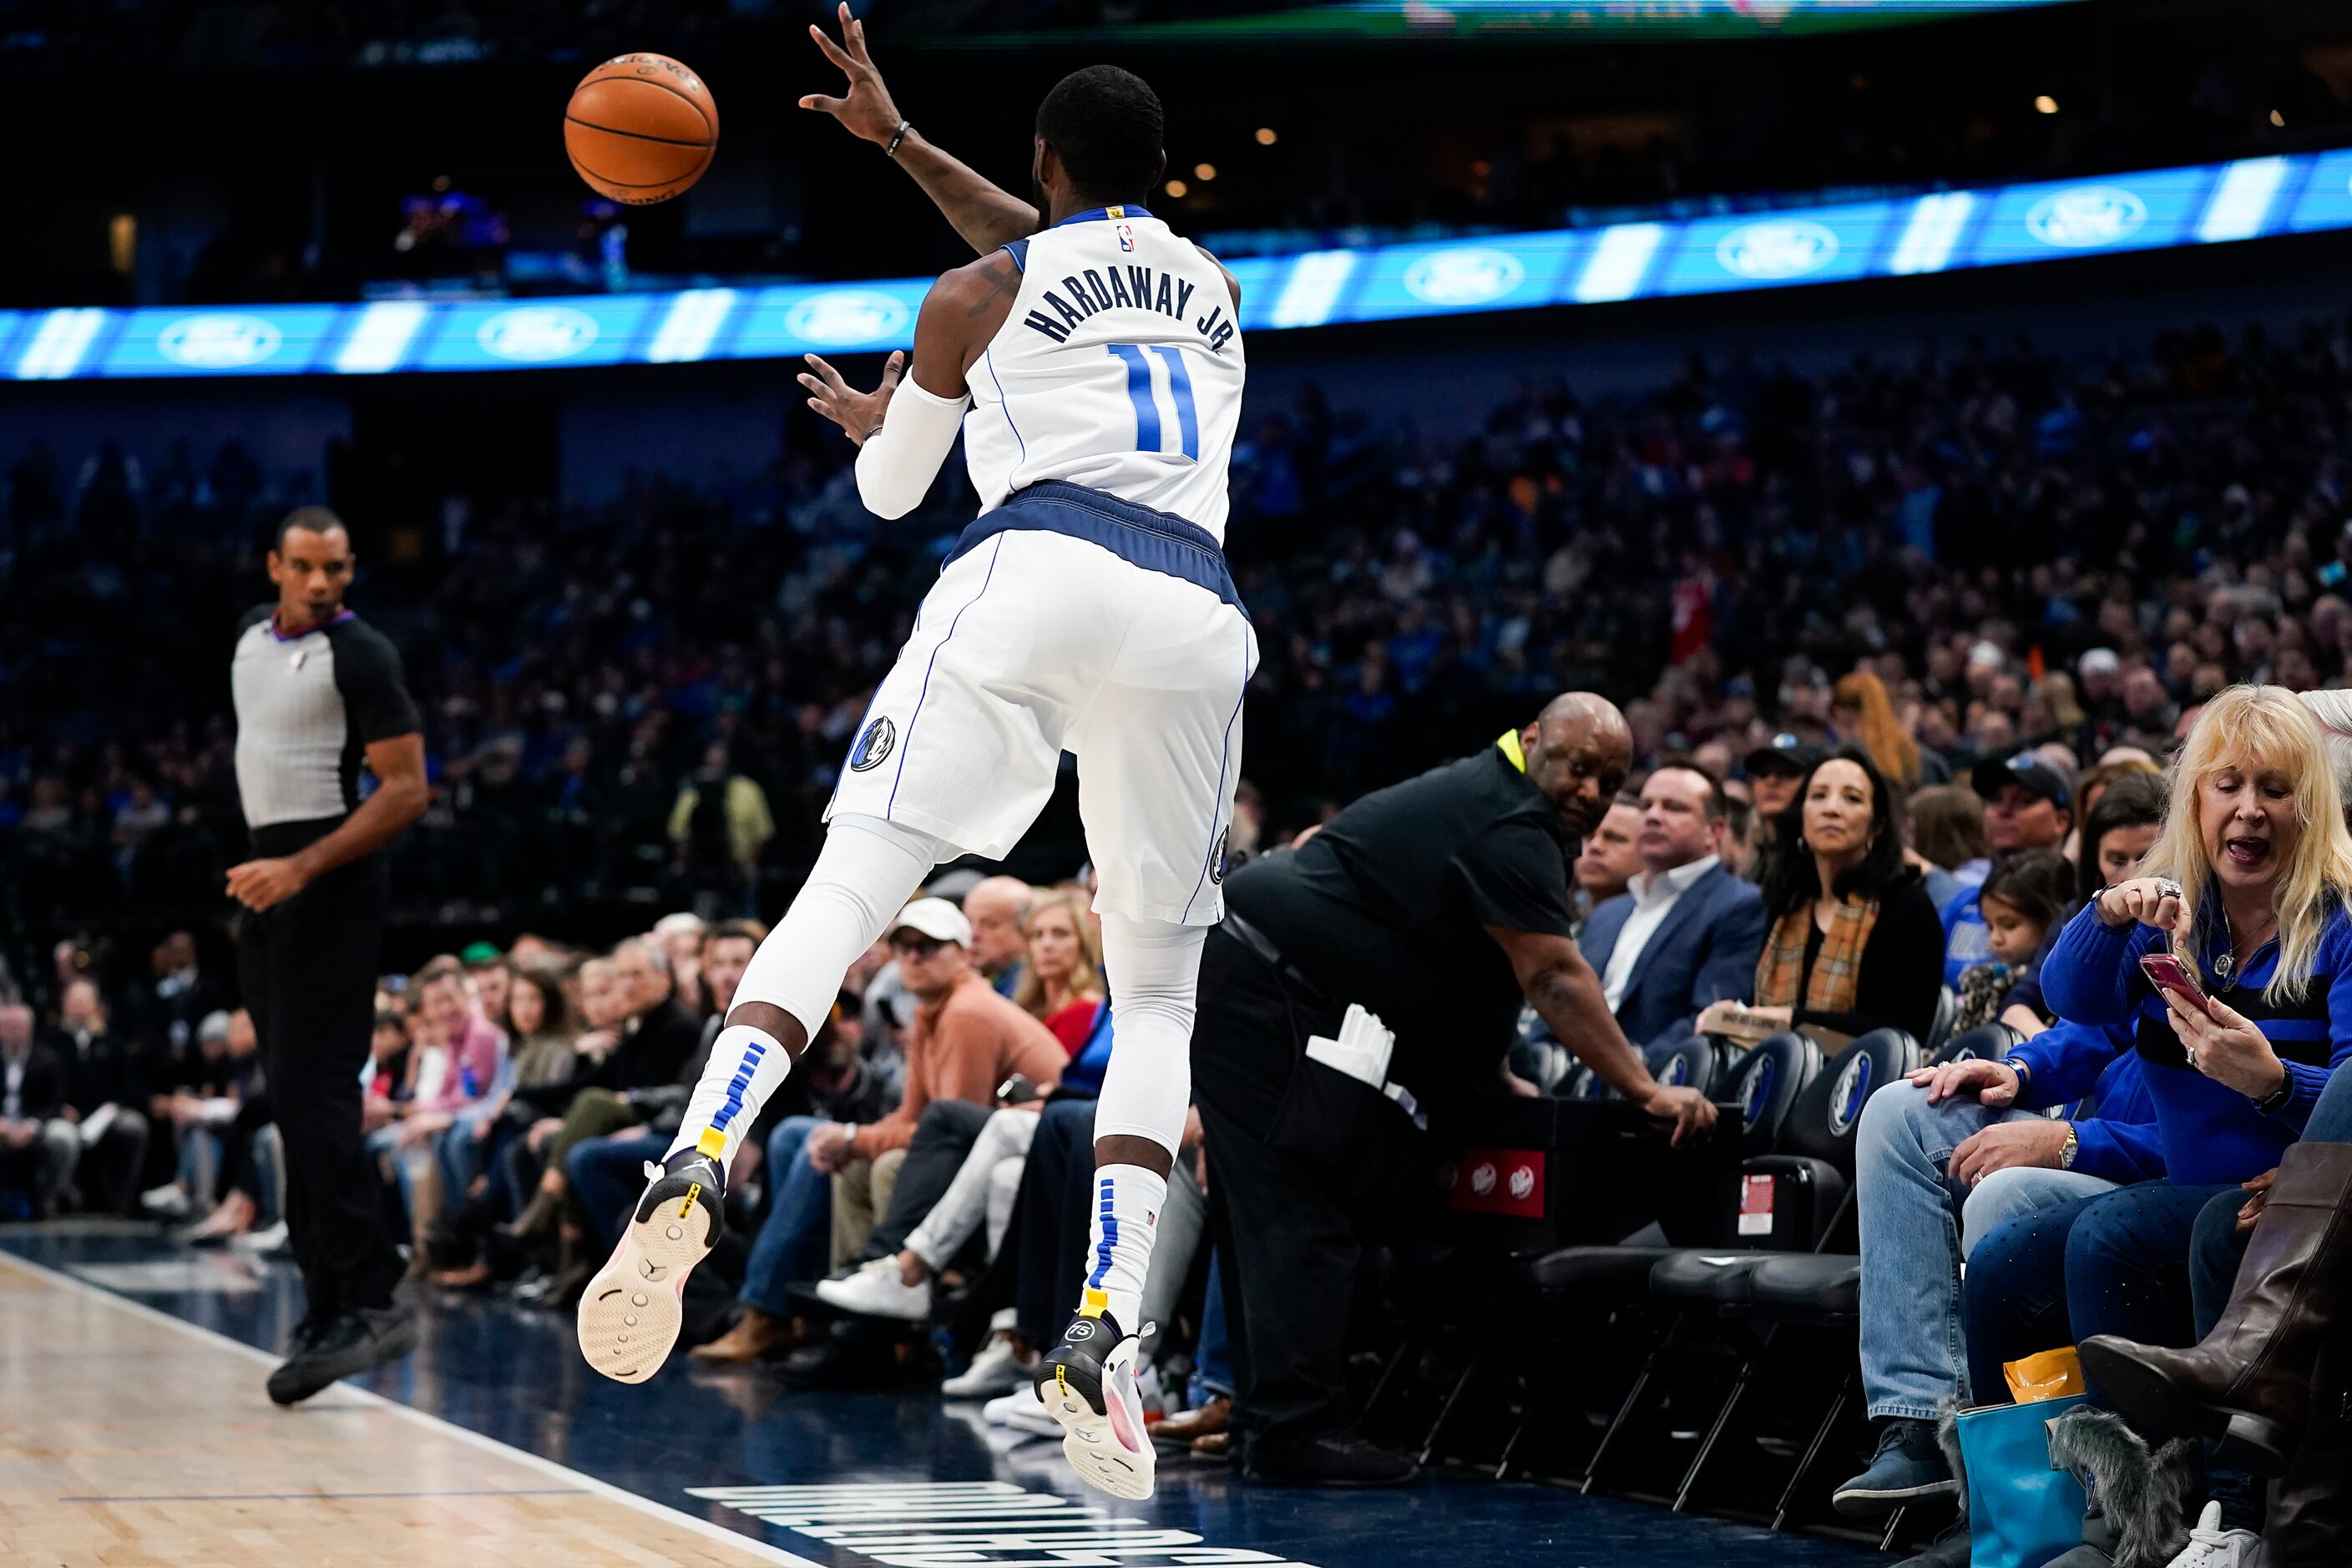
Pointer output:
2069, 1148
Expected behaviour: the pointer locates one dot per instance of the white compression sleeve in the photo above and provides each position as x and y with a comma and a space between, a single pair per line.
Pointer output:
1151, 967
898, 462
863, 877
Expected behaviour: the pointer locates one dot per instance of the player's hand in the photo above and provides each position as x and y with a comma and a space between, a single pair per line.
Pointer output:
259, 884
866, 110
859, 414
1687, 1109
2033, 1141
1996, 1083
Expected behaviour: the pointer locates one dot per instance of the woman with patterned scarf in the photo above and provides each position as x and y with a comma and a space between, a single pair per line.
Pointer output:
1855, 944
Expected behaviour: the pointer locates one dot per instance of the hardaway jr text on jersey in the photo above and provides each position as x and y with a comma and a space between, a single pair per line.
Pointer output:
1119, 369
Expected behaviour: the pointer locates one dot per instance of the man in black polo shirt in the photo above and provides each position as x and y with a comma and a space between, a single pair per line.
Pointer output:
1440, 904
317, 692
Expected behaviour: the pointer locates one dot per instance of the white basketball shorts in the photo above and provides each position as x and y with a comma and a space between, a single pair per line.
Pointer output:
1070, 620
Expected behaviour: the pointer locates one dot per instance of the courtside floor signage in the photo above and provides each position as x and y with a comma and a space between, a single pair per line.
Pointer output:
1944, 231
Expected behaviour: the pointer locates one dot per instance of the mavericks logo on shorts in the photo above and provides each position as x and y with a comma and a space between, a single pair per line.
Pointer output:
1217, 855
873, 746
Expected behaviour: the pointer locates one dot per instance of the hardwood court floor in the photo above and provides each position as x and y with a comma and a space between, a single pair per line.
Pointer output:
127, 1437
134, 1431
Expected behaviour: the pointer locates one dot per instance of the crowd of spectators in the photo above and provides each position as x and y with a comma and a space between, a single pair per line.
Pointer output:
2020, 547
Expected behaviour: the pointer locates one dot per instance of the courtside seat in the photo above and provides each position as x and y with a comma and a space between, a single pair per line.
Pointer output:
1947, 1013
1693, 1063
1989, 1042
1807, 1288
1696, 1278
1604, 1273
1766, 1082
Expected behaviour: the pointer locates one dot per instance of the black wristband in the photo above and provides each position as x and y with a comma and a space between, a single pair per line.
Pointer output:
897, 136
2279, 1098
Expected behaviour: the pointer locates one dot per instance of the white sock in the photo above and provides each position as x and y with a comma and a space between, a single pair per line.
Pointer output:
1128, 1201
862, 878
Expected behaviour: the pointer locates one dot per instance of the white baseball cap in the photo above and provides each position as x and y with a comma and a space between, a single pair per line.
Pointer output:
936, 919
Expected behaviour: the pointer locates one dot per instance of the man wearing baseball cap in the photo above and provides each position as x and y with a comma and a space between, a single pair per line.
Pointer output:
965, 1041
2029, 804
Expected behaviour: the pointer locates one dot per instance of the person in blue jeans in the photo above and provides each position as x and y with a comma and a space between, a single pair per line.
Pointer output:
2247, 887
1935, 1171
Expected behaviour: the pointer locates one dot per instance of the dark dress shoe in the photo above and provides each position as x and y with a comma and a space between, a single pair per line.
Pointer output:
1327, 1459
1209, 1420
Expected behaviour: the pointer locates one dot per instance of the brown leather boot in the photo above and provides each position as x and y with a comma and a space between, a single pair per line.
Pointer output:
754, 1335
2310, 1523
2249, 1384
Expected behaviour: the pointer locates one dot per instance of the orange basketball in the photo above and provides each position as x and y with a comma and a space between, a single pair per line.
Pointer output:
641, 128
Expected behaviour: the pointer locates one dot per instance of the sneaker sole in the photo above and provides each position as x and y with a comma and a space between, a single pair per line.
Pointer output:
1100, 1459
631, 1311
1874, 1504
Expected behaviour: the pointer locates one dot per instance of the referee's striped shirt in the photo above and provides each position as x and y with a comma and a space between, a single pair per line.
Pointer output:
308, 707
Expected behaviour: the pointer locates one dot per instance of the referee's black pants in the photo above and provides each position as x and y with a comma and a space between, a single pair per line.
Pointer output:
1289, 1228
307, 971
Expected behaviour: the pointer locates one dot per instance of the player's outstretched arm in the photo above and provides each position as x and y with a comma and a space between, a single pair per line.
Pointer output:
985, 214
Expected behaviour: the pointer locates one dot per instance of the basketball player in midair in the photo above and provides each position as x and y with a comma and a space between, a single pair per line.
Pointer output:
1094, 369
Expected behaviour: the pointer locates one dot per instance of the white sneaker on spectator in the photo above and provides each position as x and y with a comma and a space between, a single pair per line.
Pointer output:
1023, 1411
877, 1290
166, 1202
266, 1242
2210, 1546
998, 1369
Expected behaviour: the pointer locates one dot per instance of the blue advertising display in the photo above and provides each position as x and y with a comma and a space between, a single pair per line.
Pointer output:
1508, 272
532, 334
847, 319
282, 339
1772, 250
2087, 217
1784, 247
2326, 198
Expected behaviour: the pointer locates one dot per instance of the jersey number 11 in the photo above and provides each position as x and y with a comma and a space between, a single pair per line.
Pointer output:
1146, 408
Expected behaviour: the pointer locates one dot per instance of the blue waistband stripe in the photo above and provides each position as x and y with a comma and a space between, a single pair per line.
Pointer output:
1155, 541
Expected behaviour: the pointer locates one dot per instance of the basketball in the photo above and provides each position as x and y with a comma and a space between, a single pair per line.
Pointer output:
641, 129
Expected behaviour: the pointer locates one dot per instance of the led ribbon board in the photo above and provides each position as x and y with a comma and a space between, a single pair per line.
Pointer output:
1946, 231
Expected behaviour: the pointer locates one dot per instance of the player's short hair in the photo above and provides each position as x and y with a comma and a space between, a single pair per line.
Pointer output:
1107, 127
317, 519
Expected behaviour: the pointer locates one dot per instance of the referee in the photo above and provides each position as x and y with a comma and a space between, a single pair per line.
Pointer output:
318, 690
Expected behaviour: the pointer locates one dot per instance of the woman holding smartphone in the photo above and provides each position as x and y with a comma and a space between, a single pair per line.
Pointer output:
2240, 907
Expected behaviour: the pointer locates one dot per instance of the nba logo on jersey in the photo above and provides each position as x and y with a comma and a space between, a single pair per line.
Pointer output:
1126, 238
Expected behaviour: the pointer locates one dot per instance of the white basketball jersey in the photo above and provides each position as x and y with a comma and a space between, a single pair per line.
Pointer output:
1119, 369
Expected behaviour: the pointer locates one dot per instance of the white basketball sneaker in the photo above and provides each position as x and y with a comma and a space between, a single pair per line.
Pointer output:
1087, 1383
630, 1313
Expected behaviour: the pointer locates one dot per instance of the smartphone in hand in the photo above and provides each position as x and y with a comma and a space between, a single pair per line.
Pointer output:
2169, 974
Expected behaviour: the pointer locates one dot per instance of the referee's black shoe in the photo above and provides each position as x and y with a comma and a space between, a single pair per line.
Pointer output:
347, 1344
1087, 1384
630, 1312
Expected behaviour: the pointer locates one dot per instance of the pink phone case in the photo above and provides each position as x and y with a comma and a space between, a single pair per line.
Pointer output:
2173, 977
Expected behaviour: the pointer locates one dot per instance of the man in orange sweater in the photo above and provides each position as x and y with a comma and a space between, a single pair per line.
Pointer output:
966, 1040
